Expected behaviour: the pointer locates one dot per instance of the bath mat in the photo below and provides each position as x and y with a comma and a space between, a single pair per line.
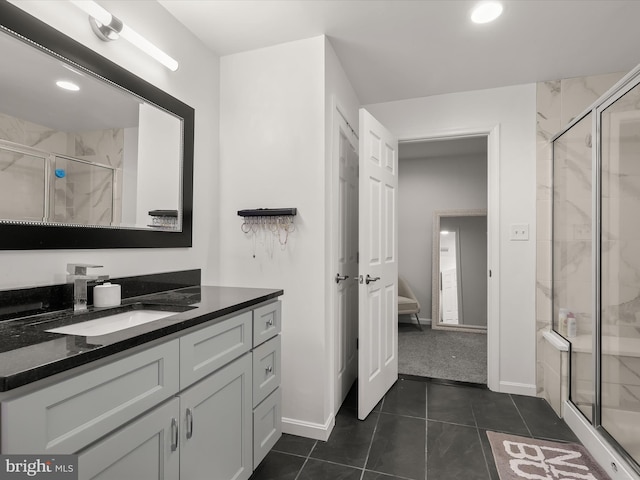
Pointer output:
520, 458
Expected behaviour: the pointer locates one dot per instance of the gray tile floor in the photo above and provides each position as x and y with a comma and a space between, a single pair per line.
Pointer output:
422, 429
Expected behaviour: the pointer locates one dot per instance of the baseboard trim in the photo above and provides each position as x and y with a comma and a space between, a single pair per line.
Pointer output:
409, 319
597, 446
518, 388
301, 428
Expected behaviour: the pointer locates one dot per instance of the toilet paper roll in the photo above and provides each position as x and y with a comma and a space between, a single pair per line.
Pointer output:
106, 295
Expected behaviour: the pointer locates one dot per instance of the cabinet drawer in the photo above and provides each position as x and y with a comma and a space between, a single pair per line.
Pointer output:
205, 351
266, 322
266, 369
66, 417
267, 426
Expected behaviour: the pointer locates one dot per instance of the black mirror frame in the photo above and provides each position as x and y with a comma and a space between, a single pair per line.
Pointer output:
33, 236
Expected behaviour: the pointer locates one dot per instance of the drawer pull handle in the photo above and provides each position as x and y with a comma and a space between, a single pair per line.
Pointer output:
174, 434
189, 422
270, 322
269, 369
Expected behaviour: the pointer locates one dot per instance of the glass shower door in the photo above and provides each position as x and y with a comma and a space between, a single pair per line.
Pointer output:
84, 192
620, 271
23, 185
572, 256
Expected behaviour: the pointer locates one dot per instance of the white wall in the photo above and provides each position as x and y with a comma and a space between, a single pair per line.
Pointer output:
196, 83
513, 109
424, 186
159, 174
339, 94
272, 155
274, 105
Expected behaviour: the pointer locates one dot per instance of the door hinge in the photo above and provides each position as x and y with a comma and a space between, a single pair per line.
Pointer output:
357, 343
489, 273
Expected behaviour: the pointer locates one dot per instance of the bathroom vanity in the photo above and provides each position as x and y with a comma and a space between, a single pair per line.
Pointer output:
189, 395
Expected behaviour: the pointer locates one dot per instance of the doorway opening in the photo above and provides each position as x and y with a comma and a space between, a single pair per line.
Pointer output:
382, 320
443, 256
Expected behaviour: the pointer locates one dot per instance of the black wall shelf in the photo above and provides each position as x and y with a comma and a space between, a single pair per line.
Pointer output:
268, 212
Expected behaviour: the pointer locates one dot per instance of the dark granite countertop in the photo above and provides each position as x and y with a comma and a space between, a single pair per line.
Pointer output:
29, 353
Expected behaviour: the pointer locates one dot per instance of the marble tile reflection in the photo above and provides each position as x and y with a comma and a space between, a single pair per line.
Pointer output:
85, 194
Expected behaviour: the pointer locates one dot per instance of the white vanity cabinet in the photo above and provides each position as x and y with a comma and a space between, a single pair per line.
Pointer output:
200, 434
267, 399
186, 409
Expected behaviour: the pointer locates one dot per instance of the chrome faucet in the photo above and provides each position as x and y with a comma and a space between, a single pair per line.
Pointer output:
77, 273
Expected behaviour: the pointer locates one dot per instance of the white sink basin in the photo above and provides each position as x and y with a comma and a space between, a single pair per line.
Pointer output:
112, 323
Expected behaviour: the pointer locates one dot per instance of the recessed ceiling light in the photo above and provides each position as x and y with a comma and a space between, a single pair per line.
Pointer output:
486, 12
68, 85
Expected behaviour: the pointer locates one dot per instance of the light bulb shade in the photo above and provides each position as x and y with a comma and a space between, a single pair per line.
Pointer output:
148, 47
107, 27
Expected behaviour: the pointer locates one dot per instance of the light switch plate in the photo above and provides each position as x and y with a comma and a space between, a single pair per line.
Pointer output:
519, 232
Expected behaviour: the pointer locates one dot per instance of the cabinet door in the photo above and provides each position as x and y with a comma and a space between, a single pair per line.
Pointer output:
216, 425
143, 450
267, 426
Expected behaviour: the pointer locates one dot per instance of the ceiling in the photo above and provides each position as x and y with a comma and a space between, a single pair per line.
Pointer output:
29, 92
399, 49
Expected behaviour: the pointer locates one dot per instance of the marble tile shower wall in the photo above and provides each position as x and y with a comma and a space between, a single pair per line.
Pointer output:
558, 102
621, 202
71, 203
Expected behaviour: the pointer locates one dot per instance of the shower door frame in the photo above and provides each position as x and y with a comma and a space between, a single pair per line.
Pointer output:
49, 160
625, 85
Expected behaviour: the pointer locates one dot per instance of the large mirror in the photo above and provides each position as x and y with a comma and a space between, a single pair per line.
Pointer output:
106, 162
460, 270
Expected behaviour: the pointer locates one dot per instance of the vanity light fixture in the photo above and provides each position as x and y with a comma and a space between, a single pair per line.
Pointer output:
486, 12
108, 27
65, 84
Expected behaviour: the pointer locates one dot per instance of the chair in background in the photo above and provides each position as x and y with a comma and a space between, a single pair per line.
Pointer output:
407, 302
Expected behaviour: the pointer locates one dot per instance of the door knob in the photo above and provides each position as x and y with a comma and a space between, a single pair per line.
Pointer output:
339, 277
371, 279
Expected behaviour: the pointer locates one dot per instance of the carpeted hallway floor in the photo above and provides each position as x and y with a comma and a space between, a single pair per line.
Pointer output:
442, 354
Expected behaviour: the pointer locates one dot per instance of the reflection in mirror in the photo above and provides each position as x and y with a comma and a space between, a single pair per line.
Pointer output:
460, 270
105, 163
75, 149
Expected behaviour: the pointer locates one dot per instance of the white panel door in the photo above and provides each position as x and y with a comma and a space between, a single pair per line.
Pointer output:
347, 267
450, 296
378, 279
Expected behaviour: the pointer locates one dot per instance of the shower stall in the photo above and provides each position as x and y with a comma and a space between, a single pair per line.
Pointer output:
596, 264
39, 186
